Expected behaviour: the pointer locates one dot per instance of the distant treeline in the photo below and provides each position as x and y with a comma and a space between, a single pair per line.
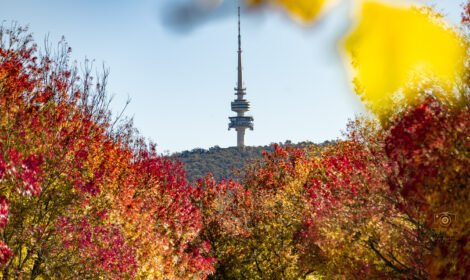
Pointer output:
228, 162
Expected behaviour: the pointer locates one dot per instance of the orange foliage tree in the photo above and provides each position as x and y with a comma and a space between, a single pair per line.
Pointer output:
81, 194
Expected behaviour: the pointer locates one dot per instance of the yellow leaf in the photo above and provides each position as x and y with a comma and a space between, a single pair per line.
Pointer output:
304, 10
395, 47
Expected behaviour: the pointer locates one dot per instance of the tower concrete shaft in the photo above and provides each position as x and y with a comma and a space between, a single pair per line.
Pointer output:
240, 137
240, 105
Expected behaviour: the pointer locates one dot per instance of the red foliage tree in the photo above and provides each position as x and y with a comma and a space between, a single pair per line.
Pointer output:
431, 147
54, 142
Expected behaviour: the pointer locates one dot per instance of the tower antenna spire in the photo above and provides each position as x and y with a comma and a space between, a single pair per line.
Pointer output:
240, 105
239, 32
240, 69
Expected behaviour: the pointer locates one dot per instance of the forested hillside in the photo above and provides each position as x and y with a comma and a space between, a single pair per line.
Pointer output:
228, 162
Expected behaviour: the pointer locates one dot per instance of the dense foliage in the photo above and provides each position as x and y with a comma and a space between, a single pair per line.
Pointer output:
83, 196
224, 163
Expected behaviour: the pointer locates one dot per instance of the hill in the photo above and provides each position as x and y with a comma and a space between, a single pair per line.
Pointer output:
227, 162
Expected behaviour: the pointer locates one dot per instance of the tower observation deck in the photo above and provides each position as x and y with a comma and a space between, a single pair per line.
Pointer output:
240, 105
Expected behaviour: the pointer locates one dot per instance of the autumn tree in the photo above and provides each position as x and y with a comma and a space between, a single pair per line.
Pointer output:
153, 203
83, 196
430, 145
253, 227
54, 135
225, 208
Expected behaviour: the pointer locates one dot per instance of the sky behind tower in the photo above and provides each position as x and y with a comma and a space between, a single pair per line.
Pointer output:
180, 78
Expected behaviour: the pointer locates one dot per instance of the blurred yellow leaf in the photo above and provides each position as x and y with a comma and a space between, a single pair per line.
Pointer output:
305, 10
394, 47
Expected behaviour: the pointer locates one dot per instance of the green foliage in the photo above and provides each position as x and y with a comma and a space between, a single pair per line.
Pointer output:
228, 162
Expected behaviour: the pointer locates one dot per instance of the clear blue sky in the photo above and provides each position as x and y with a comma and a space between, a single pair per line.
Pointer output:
181, 82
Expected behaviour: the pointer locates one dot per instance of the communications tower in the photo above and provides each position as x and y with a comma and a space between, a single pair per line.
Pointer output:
240, 105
